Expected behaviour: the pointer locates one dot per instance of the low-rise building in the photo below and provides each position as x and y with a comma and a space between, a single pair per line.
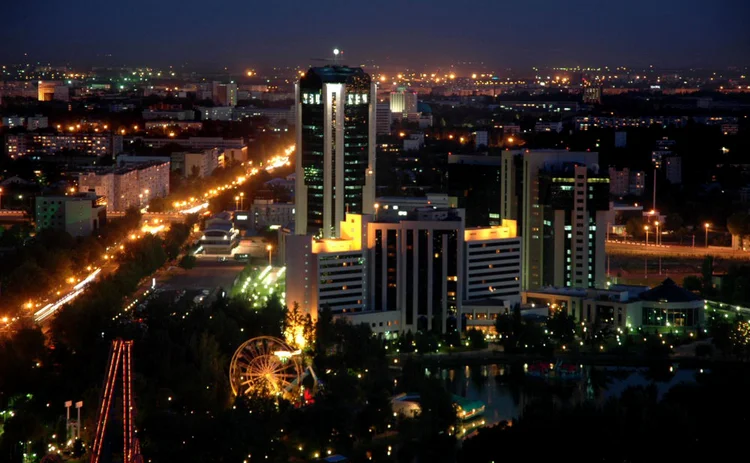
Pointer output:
79, 214
665, 306
219, 236
267, 212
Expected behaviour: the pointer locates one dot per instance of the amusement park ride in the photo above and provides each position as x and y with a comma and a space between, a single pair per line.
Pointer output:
120, 361
270, 367
265, 365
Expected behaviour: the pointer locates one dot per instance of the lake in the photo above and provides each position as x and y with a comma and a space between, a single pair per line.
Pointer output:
506, 389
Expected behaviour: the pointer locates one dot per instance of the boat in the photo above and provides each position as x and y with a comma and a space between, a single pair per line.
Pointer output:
407, 404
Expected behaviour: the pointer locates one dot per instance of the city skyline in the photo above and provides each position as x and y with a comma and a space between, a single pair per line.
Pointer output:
639, 33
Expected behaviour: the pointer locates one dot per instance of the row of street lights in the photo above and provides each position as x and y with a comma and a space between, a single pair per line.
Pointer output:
657, 239
239, 201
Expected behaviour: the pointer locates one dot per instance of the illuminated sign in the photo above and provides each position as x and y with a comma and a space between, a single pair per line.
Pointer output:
311, 98
356, 98
241, 217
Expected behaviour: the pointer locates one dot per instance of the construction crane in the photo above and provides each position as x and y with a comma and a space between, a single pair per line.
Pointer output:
120, 364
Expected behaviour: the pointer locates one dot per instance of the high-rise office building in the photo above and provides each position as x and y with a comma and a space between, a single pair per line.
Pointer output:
336, 148
562, 202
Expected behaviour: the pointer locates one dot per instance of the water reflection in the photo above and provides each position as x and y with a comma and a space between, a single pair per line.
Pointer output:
507, 389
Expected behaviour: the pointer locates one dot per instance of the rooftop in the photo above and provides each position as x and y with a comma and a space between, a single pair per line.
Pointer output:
668, 291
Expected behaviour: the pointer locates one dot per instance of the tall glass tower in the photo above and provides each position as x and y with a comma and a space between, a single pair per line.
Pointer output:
336, 156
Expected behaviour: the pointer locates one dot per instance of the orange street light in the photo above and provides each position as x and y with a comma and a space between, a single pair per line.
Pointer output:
706, 226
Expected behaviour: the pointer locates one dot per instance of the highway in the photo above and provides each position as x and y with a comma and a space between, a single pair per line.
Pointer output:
640, 249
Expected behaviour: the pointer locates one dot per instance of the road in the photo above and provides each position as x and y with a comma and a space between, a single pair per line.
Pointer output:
640, 249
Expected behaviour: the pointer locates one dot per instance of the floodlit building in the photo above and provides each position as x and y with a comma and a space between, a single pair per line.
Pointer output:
329, 272
219, 236
126, 187
403, 103
402, 273
80, 214
336, 148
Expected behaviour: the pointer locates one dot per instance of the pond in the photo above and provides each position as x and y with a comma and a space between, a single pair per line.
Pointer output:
506, 389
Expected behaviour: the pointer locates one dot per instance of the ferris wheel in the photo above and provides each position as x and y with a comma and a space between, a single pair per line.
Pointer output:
266, 366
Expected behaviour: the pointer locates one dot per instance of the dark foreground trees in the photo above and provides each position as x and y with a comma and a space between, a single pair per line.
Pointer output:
682, 425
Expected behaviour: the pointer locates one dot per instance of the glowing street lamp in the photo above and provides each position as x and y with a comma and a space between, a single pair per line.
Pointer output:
706, 226
657, 232
236, 203
269, 248
646, 227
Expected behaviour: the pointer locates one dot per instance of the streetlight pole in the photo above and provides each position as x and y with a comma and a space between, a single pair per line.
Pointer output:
269, 248
706, 225
242, 201
645, 227
236, 202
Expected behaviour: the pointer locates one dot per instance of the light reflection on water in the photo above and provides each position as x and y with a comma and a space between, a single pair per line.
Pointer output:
506, 389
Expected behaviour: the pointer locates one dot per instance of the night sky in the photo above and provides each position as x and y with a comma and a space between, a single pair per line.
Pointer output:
501, 33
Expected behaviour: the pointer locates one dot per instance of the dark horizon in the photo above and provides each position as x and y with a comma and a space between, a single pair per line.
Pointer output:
666, 34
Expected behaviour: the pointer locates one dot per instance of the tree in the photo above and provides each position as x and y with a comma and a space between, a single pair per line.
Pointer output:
562, 326
707, 272
738, 225
187, 262
157, 205
634, 227
476, 339
692, 283
297, 328
673, 222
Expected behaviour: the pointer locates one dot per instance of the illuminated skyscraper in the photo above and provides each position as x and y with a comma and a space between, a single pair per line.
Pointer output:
336, 138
